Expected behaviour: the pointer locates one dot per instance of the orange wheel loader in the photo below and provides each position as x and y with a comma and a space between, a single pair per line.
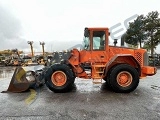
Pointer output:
120, 67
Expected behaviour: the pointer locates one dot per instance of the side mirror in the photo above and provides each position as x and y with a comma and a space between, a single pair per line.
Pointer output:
115, 42
86, 32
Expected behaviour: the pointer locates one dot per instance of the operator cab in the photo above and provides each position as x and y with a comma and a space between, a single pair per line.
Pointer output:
95, 39
95, 45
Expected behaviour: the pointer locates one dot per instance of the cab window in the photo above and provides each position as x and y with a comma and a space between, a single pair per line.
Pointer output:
98, 40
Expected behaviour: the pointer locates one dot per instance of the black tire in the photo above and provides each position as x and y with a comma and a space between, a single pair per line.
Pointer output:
124, 69
74, 75
69, 78
107, 77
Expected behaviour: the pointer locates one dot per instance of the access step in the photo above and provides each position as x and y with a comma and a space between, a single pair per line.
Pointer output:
97, 81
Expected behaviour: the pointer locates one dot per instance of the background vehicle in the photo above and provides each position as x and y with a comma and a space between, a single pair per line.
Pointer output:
14, 59
2, 60
155, 60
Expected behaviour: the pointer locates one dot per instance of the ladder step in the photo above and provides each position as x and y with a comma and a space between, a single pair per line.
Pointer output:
97, 81
100, 72
97, 77
98, 65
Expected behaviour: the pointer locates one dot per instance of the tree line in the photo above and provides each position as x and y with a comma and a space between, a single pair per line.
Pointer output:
144, 31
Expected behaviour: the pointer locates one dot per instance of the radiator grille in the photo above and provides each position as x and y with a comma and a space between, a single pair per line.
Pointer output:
138, 57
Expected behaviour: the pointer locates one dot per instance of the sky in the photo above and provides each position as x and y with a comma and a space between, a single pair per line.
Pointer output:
60, 23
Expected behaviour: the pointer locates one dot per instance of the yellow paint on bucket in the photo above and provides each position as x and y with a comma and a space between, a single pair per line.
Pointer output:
20, 74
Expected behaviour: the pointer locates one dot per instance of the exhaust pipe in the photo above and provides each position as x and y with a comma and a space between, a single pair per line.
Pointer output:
123, 37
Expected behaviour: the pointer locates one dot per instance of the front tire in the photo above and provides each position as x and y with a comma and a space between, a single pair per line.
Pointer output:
59, 78
124, 78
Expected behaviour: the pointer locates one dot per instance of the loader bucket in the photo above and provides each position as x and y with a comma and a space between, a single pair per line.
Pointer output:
23, 80
18, 83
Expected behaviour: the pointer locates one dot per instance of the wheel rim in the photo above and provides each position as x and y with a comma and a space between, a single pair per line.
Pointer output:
124, 79
59, 78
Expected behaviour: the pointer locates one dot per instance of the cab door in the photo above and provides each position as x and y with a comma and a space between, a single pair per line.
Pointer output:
99, 46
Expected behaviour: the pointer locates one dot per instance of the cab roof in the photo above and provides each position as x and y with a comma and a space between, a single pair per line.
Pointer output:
97, 28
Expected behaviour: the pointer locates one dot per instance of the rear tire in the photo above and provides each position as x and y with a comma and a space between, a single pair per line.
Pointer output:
59, 78
124, 78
